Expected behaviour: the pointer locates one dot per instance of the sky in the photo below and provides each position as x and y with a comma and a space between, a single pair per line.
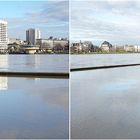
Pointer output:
50, 16
117, 21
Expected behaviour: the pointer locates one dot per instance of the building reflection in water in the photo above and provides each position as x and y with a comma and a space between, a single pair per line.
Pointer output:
37, 64
3, 67
3, 83
33, 61
37, 60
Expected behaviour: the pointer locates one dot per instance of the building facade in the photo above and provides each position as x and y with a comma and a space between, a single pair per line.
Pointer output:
3, 35
52, 44
106, 46
15, 40
83, 47
137, 48
32, 35
45, 43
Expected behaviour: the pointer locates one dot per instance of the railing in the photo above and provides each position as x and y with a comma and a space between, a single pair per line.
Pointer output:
56, 75
102, 67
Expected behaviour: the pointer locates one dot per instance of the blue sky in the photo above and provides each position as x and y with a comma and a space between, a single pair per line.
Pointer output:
50, 16
117, 21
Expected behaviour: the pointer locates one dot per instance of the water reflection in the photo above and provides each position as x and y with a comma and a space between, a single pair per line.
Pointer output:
3, 83
103, 59
37, 60
105, 104
4, 62
34, 63
3, 67
34, 109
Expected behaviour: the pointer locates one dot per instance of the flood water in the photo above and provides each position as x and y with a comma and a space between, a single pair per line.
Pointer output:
105, 103
34, 63
34, 108
103, 59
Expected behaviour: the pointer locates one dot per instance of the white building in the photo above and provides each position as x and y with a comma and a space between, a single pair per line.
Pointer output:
15, 40
137, 48
129, 48
3, 35
50, 43
32, 35
45, 43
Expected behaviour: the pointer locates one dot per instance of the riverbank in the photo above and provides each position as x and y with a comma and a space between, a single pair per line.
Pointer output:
104, 53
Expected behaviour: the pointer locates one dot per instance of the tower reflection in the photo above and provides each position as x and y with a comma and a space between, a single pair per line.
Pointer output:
3, 67
3, 83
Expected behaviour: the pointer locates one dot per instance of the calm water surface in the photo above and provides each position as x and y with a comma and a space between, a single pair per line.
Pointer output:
34, 107
103, 59
34, 63
105, 103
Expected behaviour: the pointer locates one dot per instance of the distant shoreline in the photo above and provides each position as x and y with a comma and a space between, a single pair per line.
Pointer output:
105, 53
34, 54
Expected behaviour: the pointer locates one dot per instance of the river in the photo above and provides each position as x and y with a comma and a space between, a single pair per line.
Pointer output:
34, 108
103, 59
34, 63
105, 103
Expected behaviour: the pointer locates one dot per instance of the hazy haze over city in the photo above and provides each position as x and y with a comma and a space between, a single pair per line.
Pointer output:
117, 21
50, 16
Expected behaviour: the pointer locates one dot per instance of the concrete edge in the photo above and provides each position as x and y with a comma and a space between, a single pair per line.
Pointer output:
35, 74
103, 67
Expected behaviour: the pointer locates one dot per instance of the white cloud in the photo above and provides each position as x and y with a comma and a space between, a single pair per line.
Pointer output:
51, 17
112, 20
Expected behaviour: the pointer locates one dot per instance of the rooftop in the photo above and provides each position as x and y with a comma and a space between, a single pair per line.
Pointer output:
3, 21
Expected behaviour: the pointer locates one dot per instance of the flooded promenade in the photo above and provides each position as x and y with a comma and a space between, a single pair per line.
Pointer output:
34, 107
105, 103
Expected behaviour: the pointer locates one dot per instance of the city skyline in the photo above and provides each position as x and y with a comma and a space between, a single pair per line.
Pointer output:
51, 17
115, 21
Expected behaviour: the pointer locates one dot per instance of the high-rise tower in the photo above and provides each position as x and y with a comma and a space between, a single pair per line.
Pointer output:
3, 35
32, 35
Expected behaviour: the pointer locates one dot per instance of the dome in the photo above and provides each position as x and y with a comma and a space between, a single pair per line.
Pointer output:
106, 43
